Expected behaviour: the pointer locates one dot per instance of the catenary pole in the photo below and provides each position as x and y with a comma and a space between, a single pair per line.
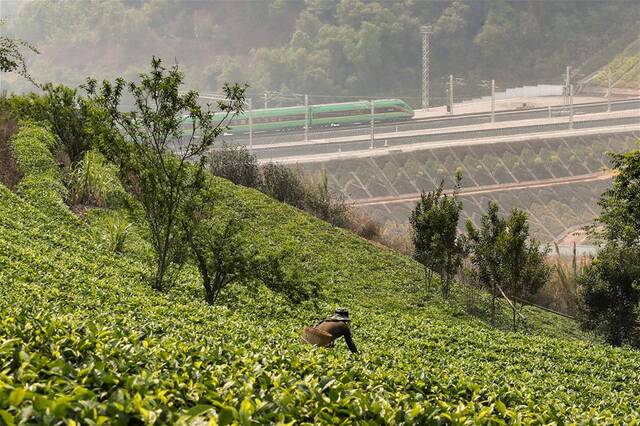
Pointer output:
306, 118
250, 125
609, 90
493, 101
567, 83
571, 106
425, 31
450, 94
372, 122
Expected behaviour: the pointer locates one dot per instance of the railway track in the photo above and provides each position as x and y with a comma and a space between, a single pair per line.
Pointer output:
469, 141
357, 146
432, 123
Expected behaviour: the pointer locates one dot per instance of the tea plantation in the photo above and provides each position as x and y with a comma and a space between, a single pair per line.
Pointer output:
83, 338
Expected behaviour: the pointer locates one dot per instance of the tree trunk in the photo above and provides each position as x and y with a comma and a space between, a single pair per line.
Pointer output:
493, 304
209, 295
164, 246
428, 276
160, 270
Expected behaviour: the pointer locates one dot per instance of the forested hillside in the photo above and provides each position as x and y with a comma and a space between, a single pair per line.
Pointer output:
624, 69
322, 47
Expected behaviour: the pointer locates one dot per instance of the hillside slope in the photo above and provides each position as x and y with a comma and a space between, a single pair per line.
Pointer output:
624, 67
83, 337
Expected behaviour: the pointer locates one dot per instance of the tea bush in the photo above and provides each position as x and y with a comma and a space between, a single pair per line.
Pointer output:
41, 177
83, 339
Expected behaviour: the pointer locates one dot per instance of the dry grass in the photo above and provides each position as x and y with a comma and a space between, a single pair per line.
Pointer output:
561, 291
363, 225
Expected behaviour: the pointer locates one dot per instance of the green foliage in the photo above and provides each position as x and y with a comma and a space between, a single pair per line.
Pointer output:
485, 255
621, 204
41, 178
435, 237
323, 203
162, 136
284, 184
309, 193
348, 47
83, 338
12, 57
115, 233
506, 260
236, 164
70, 116
95, 182
224, 256
522, 261
220, 255
610, 295
611, 285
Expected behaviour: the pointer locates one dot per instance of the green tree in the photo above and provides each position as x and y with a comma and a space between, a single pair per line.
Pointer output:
610, 294
507, 260
69, 115
224, 255
522, 260
163, 135
485, 253
610, 287
620, 204
434, 222
221, 256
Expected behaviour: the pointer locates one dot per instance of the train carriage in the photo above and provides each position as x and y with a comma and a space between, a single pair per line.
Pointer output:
326, 115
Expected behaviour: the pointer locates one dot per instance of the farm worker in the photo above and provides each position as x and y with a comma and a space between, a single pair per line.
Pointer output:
337, 325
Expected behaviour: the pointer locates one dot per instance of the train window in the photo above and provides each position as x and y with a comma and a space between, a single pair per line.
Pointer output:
345, 113
380, 110
295, 117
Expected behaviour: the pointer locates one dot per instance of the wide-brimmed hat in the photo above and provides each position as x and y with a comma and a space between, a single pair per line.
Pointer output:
341, 314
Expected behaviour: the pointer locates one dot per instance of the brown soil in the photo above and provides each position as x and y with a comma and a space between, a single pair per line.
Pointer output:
9, 174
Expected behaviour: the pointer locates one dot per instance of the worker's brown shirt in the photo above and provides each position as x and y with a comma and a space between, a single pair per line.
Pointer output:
337, 329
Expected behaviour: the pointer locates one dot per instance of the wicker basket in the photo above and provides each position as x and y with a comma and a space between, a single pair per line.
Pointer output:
316, 337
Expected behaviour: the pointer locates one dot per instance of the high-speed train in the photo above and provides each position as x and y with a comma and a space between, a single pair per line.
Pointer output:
325, 115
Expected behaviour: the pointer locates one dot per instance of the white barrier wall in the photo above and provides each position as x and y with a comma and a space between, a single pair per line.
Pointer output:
525, 91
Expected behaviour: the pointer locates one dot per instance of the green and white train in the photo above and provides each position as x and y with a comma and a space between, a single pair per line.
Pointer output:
327, 115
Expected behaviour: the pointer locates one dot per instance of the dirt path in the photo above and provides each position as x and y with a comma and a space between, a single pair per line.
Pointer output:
492, 188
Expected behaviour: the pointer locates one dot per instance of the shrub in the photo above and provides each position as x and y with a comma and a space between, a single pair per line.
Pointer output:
236, 164
115, 234
42, 180
320, 201
93, 181
287, 185
363, 225
225, 256
68, 115
283, 184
